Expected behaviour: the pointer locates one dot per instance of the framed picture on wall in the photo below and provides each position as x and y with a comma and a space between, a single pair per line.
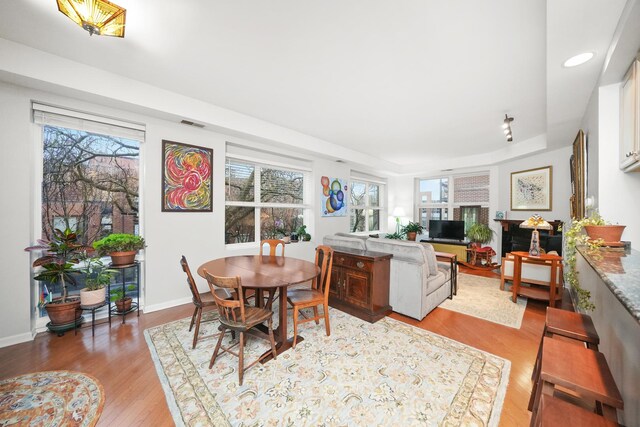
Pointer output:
187, 184
531, 190
578, 164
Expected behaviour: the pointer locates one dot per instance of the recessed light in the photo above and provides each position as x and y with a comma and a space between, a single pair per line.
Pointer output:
579, 59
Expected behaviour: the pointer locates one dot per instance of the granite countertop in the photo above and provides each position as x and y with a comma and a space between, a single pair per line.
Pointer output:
620, 270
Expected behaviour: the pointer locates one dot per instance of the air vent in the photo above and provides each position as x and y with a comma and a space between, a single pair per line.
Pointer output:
446, 170
190, 123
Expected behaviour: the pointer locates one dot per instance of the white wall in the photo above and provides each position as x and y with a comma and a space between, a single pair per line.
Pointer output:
618, 200
199, 236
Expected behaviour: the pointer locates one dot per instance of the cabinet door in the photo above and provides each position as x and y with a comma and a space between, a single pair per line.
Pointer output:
356, 288
334, 286
629, 114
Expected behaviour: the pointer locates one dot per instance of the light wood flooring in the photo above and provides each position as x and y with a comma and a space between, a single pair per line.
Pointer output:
120, 359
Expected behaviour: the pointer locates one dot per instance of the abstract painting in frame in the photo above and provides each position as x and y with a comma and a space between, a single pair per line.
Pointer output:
333, 197
531, 190
187, 183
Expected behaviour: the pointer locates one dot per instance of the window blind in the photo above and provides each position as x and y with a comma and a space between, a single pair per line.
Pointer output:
56, 116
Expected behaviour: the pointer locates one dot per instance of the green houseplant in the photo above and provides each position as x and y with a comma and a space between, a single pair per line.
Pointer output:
120, 246
480, 234
61, 254
97, 277
302, 233
586, 232
119, 297
412, 229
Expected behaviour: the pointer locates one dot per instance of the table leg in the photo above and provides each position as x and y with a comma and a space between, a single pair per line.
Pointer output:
552, 282
282, 342
517, 271
93, 322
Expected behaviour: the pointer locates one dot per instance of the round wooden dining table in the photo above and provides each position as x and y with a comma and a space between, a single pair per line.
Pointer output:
266, 273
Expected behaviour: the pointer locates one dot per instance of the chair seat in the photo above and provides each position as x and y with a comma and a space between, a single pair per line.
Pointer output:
297, 296
554, 412
253, 316
207, 298
572, 325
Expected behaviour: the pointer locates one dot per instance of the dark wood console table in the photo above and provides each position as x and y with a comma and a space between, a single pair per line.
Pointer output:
360, 283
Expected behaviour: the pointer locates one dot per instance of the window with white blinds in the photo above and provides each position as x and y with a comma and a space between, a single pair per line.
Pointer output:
262, 201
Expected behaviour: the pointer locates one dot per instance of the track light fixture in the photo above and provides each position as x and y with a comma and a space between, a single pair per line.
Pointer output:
506, 127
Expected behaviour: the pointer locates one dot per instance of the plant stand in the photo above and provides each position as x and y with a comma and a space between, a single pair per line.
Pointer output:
62, 328
93, 308
122, 270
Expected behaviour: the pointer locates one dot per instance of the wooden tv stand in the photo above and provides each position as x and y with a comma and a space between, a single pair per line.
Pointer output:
457, 247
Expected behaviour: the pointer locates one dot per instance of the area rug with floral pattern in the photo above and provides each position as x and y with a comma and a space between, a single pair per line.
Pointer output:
382, 374
51, 398
481, 297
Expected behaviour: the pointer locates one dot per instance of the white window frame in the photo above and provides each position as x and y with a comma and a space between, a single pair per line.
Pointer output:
82, 121
451, 203
258, 205
382, 208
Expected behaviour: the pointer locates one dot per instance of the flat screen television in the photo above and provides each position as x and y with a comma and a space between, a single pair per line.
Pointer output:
444, 229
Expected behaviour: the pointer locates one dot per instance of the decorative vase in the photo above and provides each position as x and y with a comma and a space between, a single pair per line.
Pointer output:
608, 233
63, 313
123, 305
123, 258
88, 297
411, 235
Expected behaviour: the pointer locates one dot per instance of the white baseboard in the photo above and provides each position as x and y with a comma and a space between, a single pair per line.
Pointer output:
16, 339
149, 308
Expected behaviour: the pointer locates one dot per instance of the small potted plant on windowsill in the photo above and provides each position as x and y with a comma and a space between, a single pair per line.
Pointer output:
302, 233
122, 301
412, 229
121, 247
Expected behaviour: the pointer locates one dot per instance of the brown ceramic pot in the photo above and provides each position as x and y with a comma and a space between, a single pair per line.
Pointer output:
63, 313
123, 258
123, 305
608, 233
411, 235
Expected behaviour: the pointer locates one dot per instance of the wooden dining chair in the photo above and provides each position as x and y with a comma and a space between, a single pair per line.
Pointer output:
317, 295
200, 301
238, 317
273, 246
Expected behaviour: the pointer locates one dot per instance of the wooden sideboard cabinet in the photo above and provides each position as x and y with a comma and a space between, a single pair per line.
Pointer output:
360, 283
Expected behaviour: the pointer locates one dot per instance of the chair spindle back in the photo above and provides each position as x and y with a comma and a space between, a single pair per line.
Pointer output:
192, 283
273, 246
229, 309
324, 260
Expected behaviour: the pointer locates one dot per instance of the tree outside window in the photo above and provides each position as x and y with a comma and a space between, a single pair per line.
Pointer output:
366, 205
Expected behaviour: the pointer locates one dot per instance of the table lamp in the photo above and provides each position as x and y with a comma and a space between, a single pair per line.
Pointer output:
397, 213
535, 222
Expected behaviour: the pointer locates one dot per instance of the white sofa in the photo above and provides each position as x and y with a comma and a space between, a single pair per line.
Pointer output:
418, 282
534, 271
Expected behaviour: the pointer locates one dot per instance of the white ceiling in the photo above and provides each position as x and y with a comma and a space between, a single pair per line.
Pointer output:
412, 82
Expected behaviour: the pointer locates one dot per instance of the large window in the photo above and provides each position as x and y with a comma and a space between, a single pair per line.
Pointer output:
367, 206
458, 197
89, 177
88, 180
262, 201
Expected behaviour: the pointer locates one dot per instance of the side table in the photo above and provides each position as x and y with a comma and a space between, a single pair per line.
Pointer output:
453, 262
536, 293
93, 308
122, 272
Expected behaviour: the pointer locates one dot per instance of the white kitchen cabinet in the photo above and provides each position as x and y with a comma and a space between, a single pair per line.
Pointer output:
630, 119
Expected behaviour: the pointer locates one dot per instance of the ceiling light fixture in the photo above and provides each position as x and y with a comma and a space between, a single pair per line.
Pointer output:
506, 127
99, 17
579, 59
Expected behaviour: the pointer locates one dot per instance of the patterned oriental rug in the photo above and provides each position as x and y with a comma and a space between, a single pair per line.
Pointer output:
383, 374
481, 297
51, 398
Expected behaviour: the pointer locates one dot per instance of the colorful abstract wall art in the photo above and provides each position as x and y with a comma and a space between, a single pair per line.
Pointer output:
333, 200
186, 178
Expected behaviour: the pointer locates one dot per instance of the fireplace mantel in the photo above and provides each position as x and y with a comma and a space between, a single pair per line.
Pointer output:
515, 238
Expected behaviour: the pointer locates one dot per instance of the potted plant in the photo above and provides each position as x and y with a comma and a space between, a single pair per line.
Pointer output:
121, 247
98, 277
393, 236
479, 234
302, 233
586, 232
412, 229
61, 254
122, 301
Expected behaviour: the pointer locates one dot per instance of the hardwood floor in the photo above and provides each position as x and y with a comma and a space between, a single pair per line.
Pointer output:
120, 358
